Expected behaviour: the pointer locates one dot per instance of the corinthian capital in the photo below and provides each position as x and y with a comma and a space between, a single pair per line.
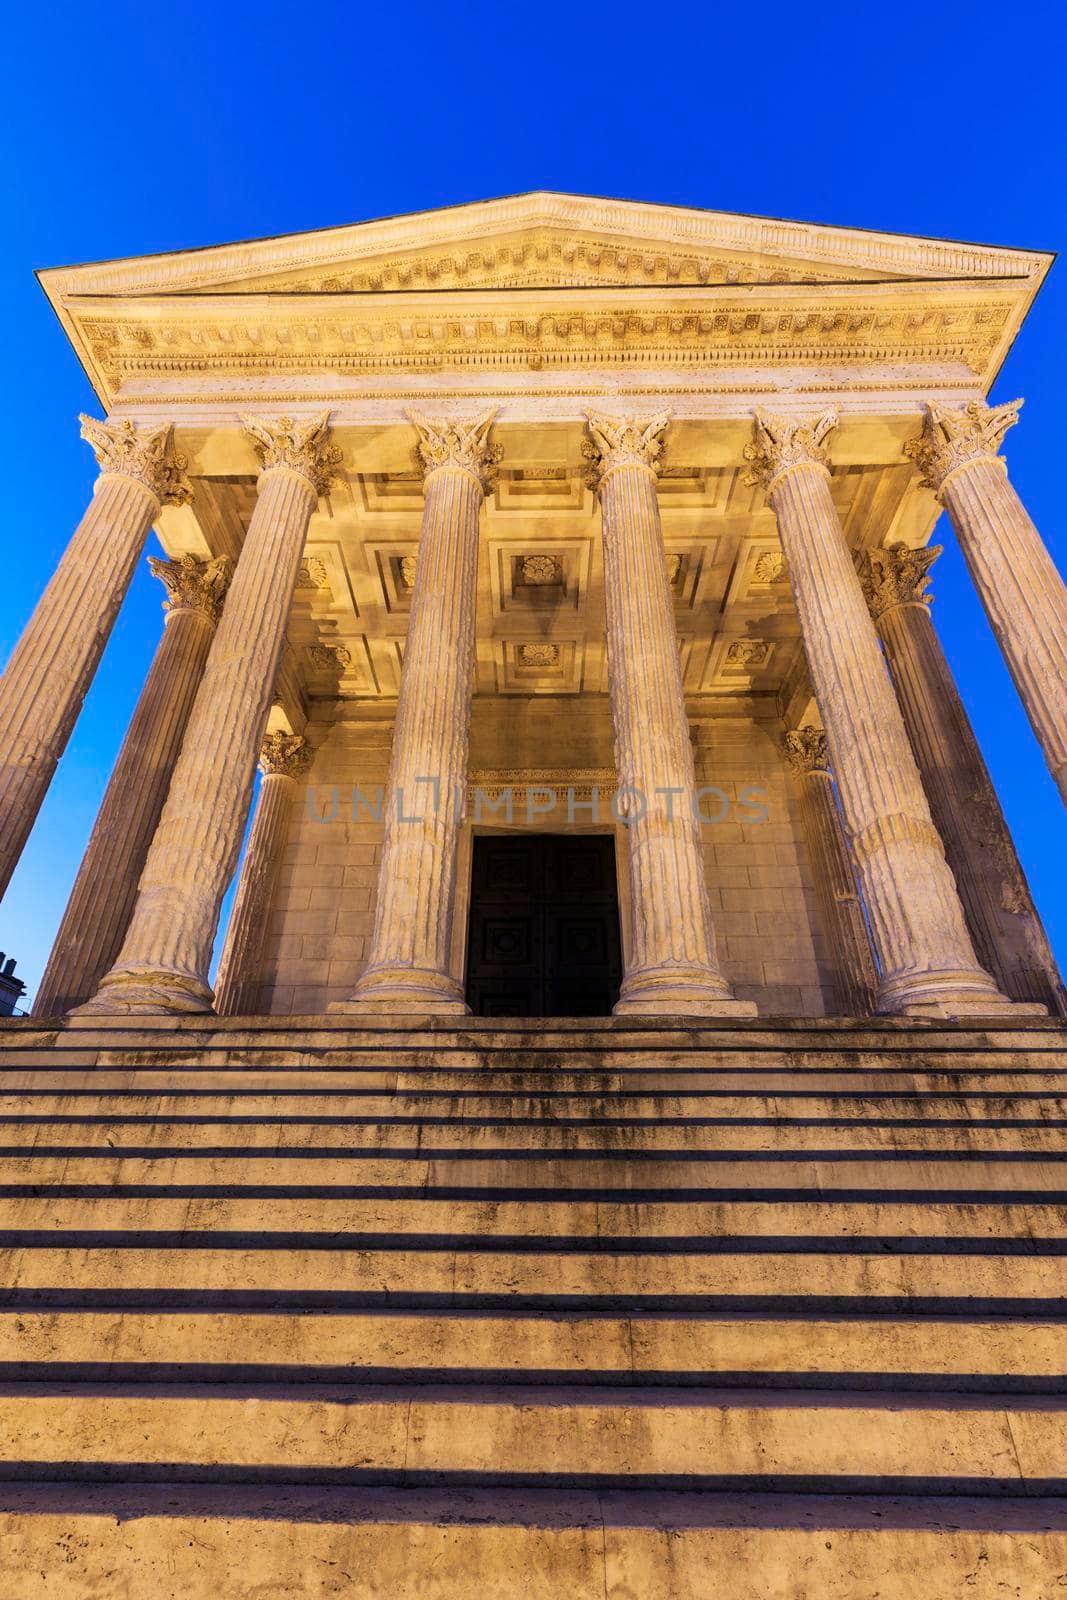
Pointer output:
898, 576
952, 439
457, 442
780, 443
623, 442
141, 453
283, 755
303, 447
805, 750
193, 585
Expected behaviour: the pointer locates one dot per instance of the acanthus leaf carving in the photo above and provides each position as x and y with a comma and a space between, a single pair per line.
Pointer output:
897, 576
951, 439
806, 750
302, 447
623, 442
781, 443
458, 442
194, 585
284, 755
141, 453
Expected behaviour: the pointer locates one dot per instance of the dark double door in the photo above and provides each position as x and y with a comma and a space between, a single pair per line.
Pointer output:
544, 926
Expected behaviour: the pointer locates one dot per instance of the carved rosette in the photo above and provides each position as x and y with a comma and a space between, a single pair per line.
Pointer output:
781, 443
143, 454
616, 442
806, 750
284, 755
458, 442
953, 439
898, 576
194, 585
302, 447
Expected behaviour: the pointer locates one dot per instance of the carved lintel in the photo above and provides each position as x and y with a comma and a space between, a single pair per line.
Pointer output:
194, 585
953, 439
781, 443
303, 447
898, 576
458, 442
805, 750
623, 442
141, 453
284, 755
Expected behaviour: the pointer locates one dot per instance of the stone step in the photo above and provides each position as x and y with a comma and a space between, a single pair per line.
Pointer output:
379, 1345
608, 1137
589, 1221
554, 1436
88, 1103
185, 1541
229, 1081
888, 1172
324, 1268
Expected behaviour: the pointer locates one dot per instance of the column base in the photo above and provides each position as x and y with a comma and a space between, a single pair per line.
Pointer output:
949, 995
147, 991
400, 991
679, 992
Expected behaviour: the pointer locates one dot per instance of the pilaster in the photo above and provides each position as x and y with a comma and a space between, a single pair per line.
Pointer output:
855, 979
283, 760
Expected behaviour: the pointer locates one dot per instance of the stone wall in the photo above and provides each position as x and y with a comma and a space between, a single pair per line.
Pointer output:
757, 873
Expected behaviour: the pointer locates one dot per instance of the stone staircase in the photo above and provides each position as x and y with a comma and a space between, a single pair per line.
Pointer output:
753, 1311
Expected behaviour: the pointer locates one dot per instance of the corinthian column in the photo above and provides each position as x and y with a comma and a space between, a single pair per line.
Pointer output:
163, 963
1008, 937
283, 758
926, 959
53, 663
409, 958
841, 913
1016, 578
672, 968
101, 902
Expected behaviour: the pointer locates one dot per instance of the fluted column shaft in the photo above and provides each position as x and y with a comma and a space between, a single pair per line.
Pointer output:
53, 664
101, 901
844, 926
672, 966
924, 951
407, 969
163, 964
239, 981
1008, 936
1023, 594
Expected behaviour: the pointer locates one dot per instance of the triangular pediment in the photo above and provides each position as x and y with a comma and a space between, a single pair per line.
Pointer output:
545, 240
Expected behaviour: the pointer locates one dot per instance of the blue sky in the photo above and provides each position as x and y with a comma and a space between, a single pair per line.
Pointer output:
131, 129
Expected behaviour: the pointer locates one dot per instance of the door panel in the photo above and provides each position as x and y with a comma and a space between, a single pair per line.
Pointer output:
544, 926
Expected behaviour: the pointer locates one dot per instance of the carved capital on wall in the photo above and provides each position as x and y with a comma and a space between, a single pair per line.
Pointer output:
141, 453
622, 442
457, 442
194, 585
781, 443
303, 447
284, 755
898, 576
952, 439
806, 751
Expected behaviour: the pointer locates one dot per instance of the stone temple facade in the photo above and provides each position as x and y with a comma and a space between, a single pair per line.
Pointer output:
622, 1141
